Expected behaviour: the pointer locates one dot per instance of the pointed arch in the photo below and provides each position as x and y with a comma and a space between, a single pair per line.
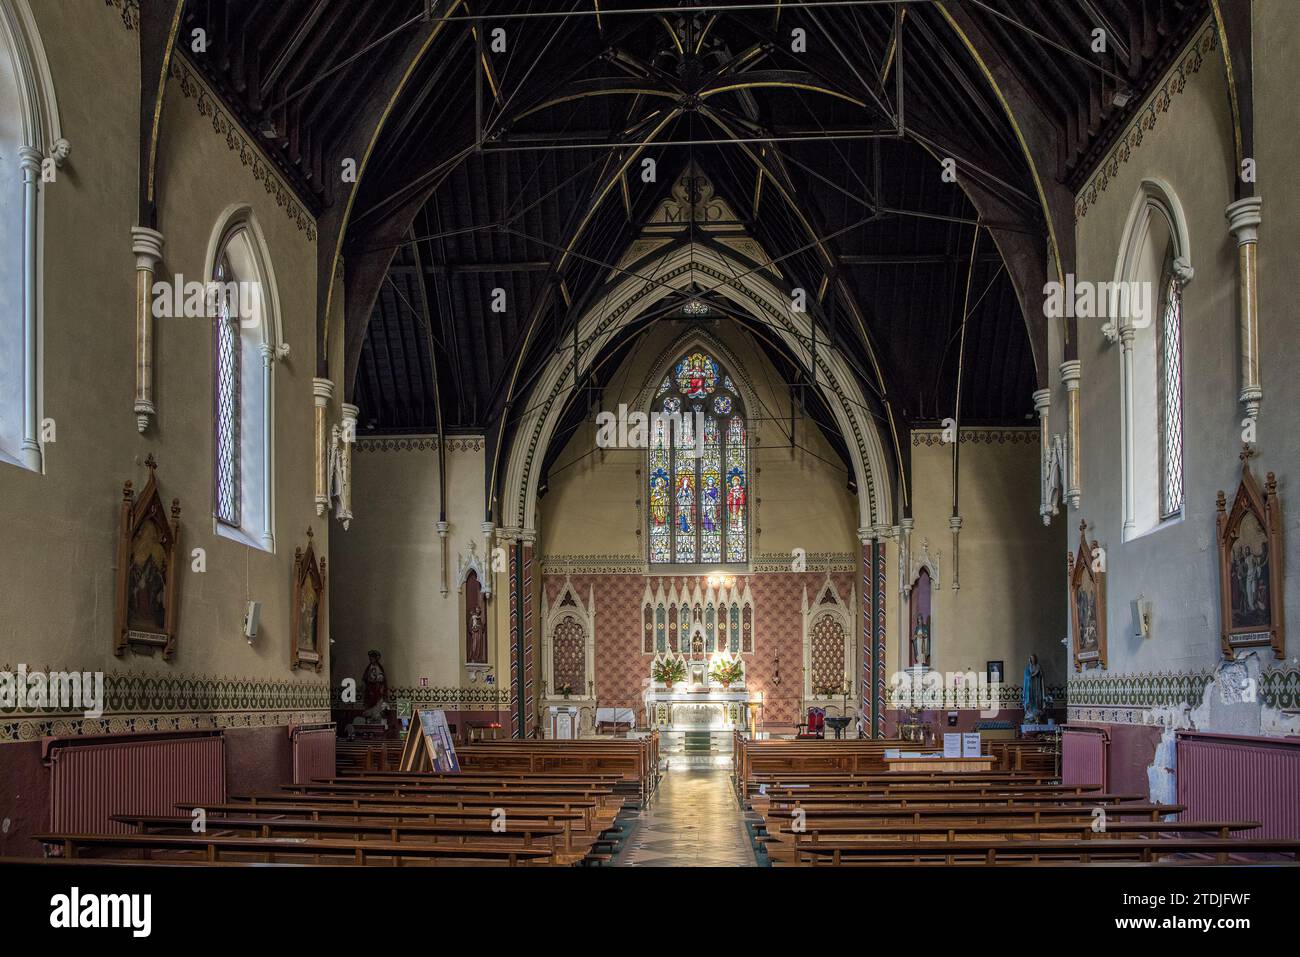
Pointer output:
697, 483
628, 297
246, 345
30, 132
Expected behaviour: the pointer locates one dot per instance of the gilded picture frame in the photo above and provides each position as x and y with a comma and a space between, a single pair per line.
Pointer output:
145, 582
1087, 590
306, 637
1250, 546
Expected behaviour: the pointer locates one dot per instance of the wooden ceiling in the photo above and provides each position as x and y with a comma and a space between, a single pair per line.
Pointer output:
488, 162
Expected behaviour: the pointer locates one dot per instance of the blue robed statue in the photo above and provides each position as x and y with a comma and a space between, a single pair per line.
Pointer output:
1031, 691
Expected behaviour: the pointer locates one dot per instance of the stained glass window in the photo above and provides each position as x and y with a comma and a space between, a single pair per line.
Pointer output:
697, 486
1170, 386
227, 403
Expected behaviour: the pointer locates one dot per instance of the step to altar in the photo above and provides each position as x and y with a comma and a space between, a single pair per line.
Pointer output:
695, 741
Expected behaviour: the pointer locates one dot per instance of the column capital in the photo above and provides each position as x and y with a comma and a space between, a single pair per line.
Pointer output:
1071, 372
443, 528
1042, 401
954, 523
1244, 218
322, 390
29, 159
147, 244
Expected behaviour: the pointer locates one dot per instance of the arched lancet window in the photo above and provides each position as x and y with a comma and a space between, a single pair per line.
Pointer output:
1154, 266
698, 474
30, 149
244, 349
1169, 388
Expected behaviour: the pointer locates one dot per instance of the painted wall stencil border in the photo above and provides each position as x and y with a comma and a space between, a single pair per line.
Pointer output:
13, 731
420, 443
1187, 64
224, 124
974, 435
1128, 698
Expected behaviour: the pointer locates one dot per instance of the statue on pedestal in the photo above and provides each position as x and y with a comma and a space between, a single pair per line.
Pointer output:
376, 691
1032, 696
921, 643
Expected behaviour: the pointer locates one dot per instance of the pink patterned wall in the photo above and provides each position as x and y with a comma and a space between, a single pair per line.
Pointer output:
622, 669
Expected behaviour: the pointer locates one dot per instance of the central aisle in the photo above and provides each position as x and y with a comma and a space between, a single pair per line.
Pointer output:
692, 821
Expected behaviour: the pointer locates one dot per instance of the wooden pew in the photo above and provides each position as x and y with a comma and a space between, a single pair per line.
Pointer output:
984, 850
572, 822
507, 831
360, 852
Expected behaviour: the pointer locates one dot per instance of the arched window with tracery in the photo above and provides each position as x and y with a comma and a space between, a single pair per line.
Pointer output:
698, 474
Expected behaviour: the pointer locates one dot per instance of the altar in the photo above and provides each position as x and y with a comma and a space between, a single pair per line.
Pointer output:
708, 709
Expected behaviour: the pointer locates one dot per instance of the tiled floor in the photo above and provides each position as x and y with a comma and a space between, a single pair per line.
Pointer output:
692, 821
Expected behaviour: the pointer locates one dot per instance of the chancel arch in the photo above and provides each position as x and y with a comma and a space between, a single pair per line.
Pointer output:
636, 290
246, 344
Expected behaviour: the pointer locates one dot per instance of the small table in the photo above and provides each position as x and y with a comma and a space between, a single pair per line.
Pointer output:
982, 763
839, 724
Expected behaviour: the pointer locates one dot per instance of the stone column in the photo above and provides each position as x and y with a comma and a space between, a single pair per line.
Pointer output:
349, 438
1043, 406
954, 525
147, 245
322, 392
1071, 372
1243, 221
29, 161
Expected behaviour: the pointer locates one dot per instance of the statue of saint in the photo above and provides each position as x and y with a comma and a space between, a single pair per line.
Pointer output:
921, 643
375, 697
1031, 691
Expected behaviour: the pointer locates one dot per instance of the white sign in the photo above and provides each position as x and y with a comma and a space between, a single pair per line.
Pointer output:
970, 745
951, 745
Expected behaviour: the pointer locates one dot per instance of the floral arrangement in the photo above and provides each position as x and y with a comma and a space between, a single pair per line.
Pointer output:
565, 689
669, 671
726, 671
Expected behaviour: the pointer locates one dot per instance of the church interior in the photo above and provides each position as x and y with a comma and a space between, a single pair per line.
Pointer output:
609, 434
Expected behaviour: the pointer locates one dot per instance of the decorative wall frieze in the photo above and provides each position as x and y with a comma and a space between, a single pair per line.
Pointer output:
251, 156
1205, 42
1130, 698
977, 436
420, 443
764, 563
136, 703
475, 698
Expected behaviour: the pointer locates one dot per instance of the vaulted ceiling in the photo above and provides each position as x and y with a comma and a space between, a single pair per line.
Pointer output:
513, 160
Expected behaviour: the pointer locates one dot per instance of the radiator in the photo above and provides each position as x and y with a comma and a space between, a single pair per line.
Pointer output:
1083, 756
313, 754
1230, 777
90, 782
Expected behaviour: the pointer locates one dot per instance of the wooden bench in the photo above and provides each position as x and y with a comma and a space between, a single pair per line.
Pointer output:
211, 847
984, 850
